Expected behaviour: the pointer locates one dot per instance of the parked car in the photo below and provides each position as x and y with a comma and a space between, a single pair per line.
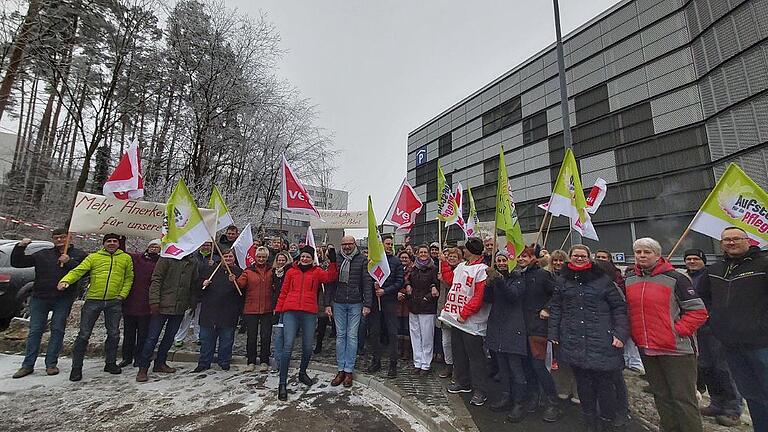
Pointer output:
15, 283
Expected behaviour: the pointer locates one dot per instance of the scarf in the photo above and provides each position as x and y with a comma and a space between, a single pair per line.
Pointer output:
305, 268
585, 267
423, 265
151, 256
344, 268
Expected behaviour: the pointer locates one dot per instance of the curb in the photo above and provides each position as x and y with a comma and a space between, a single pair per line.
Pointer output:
392, 393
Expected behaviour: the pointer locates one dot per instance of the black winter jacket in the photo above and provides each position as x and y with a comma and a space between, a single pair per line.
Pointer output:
506, 323
422, 280
538, 287
395, 280
586, 312
220, 303
359, 289
736, 296
47, 270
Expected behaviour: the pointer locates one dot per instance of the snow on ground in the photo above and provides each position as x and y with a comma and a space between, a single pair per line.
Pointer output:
211, 401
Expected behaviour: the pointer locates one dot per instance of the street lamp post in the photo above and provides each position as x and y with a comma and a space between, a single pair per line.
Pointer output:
567, 138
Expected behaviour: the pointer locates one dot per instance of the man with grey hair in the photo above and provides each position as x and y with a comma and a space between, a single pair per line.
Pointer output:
736, 291
664, 314
349, 300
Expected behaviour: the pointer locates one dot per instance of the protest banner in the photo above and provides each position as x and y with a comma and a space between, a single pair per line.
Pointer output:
340, 219
98, 214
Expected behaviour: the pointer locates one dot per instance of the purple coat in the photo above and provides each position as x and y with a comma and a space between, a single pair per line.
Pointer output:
137, 303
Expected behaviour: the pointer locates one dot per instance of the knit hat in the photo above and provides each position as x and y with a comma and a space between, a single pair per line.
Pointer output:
474, 245
155, 242
110, 236
697, 252
307, 249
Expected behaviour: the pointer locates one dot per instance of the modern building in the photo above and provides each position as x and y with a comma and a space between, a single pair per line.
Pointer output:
295, 225
663, 95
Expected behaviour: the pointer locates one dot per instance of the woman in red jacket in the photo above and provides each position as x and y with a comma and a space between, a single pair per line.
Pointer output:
257, 310
298, 304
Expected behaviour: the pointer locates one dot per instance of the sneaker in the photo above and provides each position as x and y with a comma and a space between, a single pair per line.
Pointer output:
112, 368
478, 398
454, 388
447, 372
199, 369
728, 420
250, 368
178, 344
76, 374
53, 370
21, 373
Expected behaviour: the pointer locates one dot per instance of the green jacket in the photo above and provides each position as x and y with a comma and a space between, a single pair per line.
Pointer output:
173, 285
111, 275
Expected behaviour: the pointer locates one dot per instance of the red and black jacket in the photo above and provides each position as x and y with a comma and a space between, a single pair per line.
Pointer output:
664, 309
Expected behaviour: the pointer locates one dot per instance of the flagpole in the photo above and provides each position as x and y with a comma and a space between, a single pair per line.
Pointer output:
541, 227
214, 273
570, 231
546, 235
229, 271
439, 236
679, 242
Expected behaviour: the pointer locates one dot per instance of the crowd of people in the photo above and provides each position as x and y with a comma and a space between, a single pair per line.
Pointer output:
556, 327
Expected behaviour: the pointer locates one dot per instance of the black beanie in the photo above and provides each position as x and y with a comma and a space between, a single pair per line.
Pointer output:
110, 236
308, 249
474, 245
697, 252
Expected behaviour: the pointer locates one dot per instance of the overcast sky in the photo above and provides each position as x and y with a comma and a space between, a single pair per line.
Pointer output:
377, 70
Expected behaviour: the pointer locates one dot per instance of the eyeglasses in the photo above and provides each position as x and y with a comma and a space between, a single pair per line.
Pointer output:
732, 239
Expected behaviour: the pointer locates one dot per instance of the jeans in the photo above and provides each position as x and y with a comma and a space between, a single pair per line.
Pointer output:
293, 321
156, 324
715, 375
512, 375
387, 315
632, 358
135, 329
259, 328
88, 315
38, 316
673, 384
208, 338
277, 340
597, 387
750, 371
347, 320
470, 364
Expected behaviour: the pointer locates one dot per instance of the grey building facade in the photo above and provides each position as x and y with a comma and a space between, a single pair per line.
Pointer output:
663, 95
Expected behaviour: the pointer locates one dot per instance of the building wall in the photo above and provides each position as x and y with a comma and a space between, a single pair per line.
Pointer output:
663, 94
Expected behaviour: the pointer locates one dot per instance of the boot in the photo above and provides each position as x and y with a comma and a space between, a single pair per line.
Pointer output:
142, 375
305, 379
318, 346
502, 404
392, 372
76, 374
447, 372
112, 368
163, 368
338, 379
552, 412
374, 367
518, 413
282, 392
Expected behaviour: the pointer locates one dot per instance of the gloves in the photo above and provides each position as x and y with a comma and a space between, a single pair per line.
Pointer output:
331, 254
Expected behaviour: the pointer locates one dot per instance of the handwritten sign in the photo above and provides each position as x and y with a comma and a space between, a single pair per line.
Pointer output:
339, 219
97, 214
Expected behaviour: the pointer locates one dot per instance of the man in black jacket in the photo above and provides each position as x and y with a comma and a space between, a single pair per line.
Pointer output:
50, 265
349, 300
736, 295
385, 310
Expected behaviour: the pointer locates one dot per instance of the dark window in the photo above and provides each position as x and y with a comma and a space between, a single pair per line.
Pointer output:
535, 127
491, 170
506, 114
426, 172
444, 144
592, 104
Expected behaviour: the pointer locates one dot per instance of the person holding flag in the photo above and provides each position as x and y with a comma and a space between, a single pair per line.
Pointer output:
298, 304
174, 278
506, 214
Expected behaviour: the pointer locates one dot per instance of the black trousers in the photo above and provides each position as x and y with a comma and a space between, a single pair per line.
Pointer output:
135, 329
259, 327
470, 366
597, 388
322, 326
512, 375
388, 317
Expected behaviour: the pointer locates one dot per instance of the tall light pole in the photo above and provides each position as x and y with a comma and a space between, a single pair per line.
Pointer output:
567, 138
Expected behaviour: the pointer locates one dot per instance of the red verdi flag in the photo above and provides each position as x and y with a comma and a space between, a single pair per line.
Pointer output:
126, 181
404, 208
294, 195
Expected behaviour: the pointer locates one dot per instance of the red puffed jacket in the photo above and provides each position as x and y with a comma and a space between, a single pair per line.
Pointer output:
299, 292
664, 309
